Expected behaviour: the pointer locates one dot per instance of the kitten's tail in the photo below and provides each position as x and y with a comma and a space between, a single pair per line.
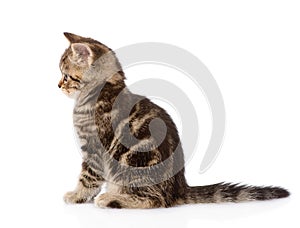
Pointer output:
225, 192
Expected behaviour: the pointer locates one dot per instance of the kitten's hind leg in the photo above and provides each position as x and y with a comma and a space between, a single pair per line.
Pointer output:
113, 200
89, 185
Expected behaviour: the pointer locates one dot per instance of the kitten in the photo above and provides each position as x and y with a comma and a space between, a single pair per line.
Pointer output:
129, 142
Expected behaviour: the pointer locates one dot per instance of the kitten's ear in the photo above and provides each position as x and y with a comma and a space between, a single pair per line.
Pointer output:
72, 37
82, 54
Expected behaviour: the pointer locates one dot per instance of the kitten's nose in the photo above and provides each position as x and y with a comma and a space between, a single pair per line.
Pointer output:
59, 86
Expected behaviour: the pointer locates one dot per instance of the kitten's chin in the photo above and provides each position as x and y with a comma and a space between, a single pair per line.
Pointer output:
72, 95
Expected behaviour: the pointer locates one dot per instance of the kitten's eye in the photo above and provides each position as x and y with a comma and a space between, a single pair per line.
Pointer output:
65, 77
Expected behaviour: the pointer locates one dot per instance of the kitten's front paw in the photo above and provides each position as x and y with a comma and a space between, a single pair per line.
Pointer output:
72, 197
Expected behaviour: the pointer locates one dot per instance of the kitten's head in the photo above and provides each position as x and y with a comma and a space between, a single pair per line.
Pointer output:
77, 60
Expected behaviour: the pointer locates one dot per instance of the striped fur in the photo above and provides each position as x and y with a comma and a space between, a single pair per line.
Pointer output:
143, 168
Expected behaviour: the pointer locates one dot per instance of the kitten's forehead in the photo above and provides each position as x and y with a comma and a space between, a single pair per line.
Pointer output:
64, 61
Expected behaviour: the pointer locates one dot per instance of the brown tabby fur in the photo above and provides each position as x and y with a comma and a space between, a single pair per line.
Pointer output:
93, 75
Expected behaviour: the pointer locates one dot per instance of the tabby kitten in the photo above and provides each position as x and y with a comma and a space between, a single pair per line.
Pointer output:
129, 142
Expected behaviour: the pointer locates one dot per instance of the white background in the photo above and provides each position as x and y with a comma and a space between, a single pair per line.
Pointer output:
251, 47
